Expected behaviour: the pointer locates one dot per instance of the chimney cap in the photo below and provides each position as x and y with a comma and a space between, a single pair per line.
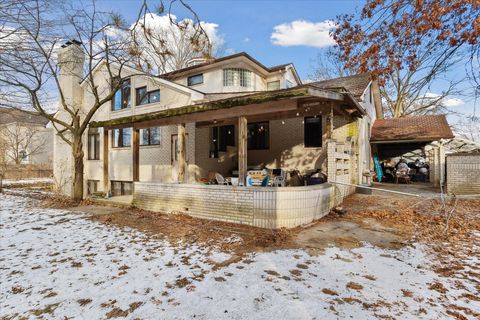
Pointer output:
70, 42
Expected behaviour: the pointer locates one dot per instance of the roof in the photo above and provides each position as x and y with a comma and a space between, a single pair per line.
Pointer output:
417, 128
15, 115
217, 102
173, 74
355, 84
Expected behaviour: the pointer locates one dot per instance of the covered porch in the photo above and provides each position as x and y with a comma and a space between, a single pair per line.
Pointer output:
271, 207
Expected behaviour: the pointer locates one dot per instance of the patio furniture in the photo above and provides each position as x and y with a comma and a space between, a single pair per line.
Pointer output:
233, 181
402, 175
220, 179
265, 181
279, 176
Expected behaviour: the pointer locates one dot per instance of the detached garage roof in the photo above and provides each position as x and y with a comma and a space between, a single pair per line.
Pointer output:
411, 129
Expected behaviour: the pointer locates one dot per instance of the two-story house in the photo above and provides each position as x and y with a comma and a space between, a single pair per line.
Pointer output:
162, 137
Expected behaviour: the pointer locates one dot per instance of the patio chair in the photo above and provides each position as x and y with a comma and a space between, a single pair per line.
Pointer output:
402, 175
279, 176
265, 181
220, 179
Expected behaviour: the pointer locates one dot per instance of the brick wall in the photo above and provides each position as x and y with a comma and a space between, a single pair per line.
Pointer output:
232, 204
256, 206
463, 173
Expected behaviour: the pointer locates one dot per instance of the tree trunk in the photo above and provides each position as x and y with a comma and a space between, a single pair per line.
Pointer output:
77, 152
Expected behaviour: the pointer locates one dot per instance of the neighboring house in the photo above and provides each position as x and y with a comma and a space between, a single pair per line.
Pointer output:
25, 139
161, 135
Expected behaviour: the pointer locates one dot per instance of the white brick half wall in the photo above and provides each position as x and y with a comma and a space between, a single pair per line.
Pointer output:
256, 206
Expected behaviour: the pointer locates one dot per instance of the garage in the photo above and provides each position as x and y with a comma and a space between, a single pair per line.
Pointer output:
410, 149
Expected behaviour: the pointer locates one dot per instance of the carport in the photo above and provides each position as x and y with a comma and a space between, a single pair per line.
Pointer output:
411, 139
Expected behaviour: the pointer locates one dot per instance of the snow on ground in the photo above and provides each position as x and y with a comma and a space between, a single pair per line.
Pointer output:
57, 264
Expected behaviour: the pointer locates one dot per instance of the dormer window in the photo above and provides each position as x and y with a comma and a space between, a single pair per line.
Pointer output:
235, 77
195, 79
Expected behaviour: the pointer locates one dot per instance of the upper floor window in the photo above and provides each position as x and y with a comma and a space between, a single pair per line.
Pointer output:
150, 136
237, 77
195, 79
122, 137
144, 97
312, 132
273, 85
258, 136
121, 99
93, 144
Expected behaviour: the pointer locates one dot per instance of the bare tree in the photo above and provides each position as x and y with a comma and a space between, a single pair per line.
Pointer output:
468, 127
409, 46
160, 43
21, 142
328, 65
31, 36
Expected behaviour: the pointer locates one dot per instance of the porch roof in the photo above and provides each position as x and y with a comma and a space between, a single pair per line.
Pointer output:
255, 104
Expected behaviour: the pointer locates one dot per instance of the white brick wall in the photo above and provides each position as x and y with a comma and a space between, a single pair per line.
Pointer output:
256, 206
463, 173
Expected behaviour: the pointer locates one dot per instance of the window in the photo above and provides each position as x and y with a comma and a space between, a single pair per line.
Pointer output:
93, 144
221, 137
273, 85
122, 137
121, 188
312, 132
92, 186
237, 77
144, 97
149, 136
258, 136
121, 99
289, 84
195, 79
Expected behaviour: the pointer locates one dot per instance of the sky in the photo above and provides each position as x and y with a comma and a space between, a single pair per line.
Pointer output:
273, 32
248, 25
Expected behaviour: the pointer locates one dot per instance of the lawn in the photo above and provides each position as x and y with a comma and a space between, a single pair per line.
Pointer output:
64, 264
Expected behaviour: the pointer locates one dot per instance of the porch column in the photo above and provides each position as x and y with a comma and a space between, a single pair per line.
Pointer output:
106, 181
242, 149
330, 122
136, 154
181, 153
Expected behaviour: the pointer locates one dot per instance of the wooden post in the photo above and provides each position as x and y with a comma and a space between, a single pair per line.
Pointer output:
242, 149
136, 154
106, 180
181, 154
330, 122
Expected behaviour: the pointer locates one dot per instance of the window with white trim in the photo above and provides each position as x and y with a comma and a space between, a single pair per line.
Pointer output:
237, 77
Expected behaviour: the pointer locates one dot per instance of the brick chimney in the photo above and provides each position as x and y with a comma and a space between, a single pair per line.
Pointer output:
71, 60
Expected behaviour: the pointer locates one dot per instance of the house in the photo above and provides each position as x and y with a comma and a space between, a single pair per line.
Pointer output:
162, 135
25, 141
